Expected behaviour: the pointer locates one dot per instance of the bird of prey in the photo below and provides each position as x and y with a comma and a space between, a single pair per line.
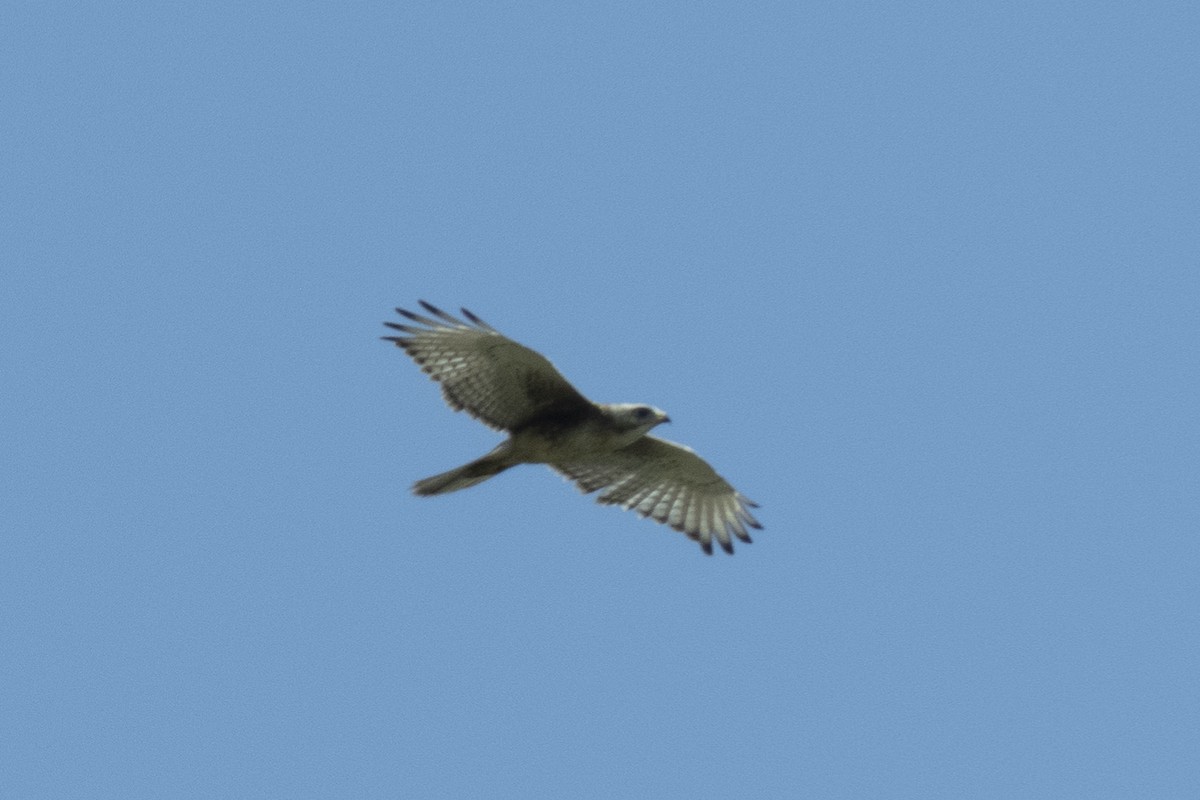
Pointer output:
599, 446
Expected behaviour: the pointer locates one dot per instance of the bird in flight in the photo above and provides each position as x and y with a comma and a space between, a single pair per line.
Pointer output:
599, 446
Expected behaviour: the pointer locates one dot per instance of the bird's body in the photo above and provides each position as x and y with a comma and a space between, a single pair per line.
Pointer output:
543, 441
599, 446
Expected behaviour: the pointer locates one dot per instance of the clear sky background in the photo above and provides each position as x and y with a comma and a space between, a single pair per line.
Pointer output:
922, 279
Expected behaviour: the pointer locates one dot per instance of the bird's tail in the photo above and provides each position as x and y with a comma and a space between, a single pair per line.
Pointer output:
467, 475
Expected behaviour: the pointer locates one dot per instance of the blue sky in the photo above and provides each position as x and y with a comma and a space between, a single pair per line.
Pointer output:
919, 278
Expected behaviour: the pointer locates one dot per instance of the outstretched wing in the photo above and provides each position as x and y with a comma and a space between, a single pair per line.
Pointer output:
671, 484
499, 382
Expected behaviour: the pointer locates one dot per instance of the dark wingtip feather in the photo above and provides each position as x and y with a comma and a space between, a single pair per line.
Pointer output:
437, 312
474, 319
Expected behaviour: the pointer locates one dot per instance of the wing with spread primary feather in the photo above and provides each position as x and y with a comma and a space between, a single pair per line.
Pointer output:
671, 484
494, 379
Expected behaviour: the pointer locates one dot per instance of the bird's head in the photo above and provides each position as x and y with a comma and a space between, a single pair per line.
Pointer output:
635, 417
